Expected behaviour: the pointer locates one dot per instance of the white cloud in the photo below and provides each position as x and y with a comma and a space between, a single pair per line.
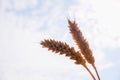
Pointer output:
108, 18
23, 4
106, 66
4, 4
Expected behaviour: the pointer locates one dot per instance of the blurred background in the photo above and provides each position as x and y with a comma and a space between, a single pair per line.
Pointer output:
25, 23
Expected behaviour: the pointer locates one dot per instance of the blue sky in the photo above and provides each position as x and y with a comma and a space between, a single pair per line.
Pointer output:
24, 23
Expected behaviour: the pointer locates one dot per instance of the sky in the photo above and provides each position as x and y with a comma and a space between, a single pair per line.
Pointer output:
25, 23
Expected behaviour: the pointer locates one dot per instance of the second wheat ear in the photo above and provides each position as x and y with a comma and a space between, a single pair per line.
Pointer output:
82, 44
81, 56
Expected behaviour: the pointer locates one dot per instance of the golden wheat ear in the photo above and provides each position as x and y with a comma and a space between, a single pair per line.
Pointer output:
64, 48
82, 44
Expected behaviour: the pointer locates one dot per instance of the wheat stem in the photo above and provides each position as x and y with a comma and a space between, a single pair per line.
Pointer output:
89, 72
96, 71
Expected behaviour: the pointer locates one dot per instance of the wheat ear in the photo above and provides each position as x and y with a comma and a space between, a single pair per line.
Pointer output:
82, 44
63, 48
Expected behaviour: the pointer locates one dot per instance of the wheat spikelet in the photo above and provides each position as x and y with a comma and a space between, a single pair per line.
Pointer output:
82, 44
63, 48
